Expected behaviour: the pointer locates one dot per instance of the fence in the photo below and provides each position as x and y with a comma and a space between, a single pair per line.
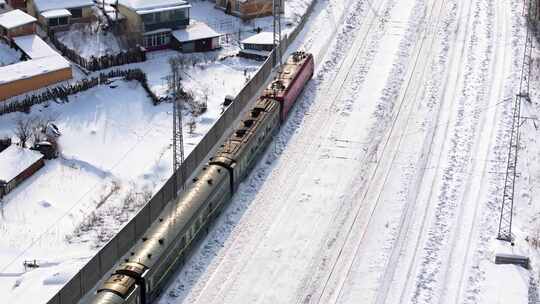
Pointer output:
63, 91
103, 261
99, 63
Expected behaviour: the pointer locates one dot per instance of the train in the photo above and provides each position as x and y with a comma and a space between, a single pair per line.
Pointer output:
143, 274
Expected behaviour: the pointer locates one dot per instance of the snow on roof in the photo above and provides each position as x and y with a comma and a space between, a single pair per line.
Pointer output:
15, 18
34, 47
162, 9
56, 13
195, 31
266, 38
137, 5
47, 5
32, 68
14, 160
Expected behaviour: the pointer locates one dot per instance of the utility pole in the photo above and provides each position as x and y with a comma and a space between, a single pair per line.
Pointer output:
276, 10
175, 87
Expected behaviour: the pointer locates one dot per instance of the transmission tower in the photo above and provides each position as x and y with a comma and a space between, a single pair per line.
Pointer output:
507, 209
276, 10
175, 87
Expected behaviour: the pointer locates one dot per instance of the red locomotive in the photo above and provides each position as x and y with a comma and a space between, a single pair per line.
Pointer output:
290, 81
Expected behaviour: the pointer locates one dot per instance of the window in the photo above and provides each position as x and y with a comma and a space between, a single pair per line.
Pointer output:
148, 18
177, 15
53, 22
156, 40
76, 12
63, 21
237, 6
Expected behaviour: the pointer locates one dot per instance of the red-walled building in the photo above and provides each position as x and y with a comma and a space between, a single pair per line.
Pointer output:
20, 4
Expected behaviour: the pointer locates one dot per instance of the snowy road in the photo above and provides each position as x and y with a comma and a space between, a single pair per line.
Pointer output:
374, 189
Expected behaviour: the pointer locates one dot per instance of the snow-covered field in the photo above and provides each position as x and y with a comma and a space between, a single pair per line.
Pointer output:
384, 186
115, 152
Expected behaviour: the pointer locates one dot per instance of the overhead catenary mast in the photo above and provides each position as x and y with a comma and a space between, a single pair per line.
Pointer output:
276, 11
178, 133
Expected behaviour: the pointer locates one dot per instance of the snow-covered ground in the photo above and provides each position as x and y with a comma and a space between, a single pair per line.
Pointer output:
8, 55
90, 40
116, 152
384, 186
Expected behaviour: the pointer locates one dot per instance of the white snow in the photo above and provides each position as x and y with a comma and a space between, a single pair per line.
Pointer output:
32, 68
15, 18
46, 5
382, 187
195, 31
14, 160
34, 46
162, 9
56, 13
90, 40
8, 55
137, 5
266, 38
378, 188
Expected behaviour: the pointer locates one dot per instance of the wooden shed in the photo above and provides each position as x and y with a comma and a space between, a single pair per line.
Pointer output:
258, 46
197, 37
16, 165
16, 23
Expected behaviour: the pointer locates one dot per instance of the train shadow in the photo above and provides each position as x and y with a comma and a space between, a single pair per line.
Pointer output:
209, 253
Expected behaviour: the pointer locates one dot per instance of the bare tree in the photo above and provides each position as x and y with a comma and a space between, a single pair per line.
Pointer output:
24, 129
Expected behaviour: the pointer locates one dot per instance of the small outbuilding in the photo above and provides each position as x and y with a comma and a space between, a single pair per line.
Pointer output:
247, 9
45, 67
59, 14
258, 46
17, 23
197, 37
16, 165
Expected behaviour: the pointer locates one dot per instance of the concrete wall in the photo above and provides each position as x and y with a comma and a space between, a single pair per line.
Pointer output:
110, 254
18, 87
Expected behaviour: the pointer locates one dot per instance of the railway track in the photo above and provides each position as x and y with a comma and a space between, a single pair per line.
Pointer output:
227, 270
408, 101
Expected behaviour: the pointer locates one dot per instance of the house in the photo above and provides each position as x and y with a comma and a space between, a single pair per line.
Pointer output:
247, 9
44, 68
16, 165
197, 37
150, 23
16, 4
59, 14
258, 46
16, 23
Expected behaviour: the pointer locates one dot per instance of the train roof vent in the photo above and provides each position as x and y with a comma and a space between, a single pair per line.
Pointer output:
277, 85
298, 56
248, 123
255, 112
240, 132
